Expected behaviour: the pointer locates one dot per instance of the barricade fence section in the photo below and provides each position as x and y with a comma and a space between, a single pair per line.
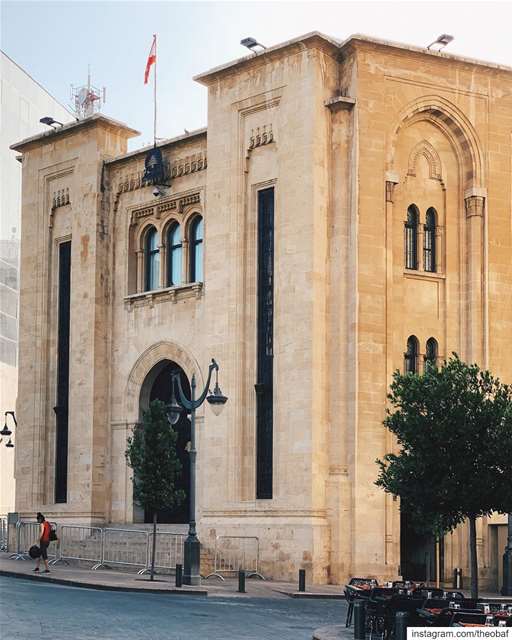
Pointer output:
27, 535
3, 533
127, 547
169, 550
233, 553
78, 542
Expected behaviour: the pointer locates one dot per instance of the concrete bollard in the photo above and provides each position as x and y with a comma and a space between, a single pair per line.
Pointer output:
179, 575
401, 624
457, 578
302, 580
241, 581
359, 620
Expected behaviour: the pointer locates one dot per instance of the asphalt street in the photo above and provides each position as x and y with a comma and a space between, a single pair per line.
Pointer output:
30, 610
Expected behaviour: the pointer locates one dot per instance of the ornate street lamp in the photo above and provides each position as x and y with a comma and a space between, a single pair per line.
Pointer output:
6, 431
192, 546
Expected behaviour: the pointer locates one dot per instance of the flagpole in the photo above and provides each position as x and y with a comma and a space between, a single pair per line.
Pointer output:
154, 128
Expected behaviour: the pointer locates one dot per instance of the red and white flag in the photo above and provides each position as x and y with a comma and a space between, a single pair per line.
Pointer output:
151, 60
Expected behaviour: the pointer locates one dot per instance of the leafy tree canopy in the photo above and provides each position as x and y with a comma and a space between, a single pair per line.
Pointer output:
454, 429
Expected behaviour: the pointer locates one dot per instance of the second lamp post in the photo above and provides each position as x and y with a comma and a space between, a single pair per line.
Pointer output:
192, 546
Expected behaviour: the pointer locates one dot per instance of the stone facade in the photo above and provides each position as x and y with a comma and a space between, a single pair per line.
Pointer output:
349, 135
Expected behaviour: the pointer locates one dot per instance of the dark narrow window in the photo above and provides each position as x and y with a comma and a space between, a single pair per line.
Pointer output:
411, 238
411, 355
265, 347
196, 250
62, 410
174, 256
429, 247
152, 260
431, 352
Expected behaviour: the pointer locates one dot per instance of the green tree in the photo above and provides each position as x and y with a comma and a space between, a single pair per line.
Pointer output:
454, 429
151, 453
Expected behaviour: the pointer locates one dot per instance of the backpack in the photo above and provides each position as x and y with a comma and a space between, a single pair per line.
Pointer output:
53, 533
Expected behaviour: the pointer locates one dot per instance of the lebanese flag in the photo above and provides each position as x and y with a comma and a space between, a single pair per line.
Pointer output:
151, 60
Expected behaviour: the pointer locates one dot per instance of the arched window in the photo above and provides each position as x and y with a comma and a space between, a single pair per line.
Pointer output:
411, 238
411, 355
151, 260
196, 250
431, 352
429, 247
174, 249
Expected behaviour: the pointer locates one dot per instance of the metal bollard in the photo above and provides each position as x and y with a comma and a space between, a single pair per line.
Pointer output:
241, 581
302, 580
401, 624
179, 575
457, 578
359, 620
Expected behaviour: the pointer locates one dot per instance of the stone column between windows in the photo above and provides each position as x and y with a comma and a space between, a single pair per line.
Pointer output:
420, 256
474, 205
140, 270
163, 265
185, 271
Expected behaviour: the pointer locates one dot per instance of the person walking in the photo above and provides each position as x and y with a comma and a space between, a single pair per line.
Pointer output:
44, 541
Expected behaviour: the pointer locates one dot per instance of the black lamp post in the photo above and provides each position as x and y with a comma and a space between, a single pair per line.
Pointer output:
192, 546
507, 562
6, 431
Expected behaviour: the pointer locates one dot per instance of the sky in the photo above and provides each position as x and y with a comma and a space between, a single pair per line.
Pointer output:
56, 41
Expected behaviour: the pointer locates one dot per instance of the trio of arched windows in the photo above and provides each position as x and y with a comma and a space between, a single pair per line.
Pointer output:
429, 239
174, 245
413, 352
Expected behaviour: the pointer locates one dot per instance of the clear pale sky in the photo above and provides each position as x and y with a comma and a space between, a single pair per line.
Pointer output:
55, 41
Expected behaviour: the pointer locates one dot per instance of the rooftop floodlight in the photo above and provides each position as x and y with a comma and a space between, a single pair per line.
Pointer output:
50, 121
442, 40
251, 43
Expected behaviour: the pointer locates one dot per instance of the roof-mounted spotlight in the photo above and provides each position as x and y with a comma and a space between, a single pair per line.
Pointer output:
50, 121
251, 43
442, 40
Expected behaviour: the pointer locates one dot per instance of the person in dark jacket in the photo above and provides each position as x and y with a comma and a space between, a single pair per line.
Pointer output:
44, 541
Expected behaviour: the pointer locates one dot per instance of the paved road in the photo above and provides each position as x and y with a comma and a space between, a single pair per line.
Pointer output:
30, 610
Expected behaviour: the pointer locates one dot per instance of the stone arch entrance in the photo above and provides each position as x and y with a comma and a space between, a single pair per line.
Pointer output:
157, 386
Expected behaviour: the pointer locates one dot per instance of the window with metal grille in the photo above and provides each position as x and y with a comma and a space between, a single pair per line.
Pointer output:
196, 250
411, 355
431, 352
411, 237
174, 256
429, 245
152, 260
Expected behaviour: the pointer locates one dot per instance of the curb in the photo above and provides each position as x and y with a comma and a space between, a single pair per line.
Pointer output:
102, 587
312, 595
331, 632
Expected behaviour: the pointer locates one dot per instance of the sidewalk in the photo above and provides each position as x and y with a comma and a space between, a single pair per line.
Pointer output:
110, 580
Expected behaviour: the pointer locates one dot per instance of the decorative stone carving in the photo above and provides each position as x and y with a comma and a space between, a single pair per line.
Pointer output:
474, 206
426, 150
60, 198
189, 164
261, 136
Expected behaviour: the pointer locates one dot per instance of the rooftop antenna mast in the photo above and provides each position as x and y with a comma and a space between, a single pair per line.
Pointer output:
87, 99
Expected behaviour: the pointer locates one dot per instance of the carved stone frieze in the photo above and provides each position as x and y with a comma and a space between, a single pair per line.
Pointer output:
190, 164
261, 136
60, 198
176, 204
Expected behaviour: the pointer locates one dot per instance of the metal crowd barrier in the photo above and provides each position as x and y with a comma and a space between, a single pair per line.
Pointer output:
27, 534
77, 542
3, 533
233, 553
134, 554
169, 549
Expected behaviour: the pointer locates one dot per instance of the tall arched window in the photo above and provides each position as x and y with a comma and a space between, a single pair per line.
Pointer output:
411, 355
174, 259
431, 352
151, 260
196, 250
411, 238
429, 246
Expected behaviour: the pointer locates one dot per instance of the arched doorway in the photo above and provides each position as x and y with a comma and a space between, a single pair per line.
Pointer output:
157, 386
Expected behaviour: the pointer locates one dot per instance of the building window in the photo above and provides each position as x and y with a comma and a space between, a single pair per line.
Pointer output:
411, 238
429, 247
431, 352
152, 260
411, 355
196, 250
174, 259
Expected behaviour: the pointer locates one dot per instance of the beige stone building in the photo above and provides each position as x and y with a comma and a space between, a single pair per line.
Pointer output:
347, 203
